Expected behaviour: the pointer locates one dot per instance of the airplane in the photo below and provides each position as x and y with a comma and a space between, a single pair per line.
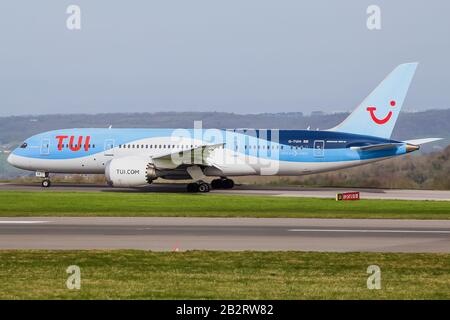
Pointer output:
136, 157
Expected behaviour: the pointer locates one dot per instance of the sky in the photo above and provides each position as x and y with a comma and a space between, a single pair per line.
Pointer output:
242, 56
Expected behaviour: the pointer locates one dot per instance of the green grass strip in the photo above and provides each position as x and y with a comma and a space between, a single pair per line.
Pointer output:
48, 203
222, 275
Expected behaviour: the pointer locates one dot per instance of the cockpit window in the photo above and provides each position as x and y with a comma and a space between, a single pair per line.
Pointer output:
24, 145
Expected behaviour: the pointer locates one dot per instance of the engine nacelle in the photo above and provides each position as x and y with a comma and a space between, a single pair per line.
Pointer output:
129, 172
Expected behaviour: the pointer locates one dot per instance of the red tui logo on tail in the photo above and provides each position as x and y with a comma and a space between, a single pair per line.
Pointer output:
384, 120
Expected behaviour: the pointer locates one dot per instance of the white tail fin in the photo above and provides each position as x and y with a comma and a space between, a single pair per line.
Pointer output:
377, 114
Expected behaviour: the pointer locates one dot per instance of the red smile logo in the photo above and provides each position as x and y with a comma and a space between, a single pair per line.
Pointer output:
372, 110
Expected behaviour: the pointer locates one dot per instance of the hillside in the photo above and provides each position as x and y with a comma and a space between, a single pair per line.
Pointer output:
410, 125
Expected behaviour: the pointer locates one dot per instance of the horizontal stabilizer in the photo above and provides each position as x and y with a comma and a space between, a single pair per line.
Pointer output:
418, 142
374, 147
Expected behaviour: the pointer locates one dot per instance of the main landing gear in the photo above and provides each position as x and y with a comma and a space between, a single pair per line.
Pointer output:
198, 187
222, 183
202, 186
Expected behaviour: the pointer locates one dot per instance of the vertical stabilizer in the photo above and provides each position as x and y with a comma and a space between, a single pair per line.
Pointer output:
378, 113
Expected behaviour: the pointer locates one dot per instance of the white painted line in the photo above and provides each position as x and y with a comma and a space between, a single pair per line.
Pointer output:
20, 222
370, 231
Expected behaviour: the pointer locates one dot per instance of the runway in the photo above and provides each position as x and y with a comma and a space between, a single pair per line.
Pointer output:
366, 193
235, 234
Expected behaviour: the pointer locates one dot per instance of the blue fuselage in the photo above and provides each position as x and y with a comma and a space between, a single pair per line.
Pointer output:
241, 152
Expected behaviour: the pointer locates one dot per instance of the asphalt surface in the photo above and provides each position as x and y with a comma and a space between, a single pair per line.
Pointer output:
235, 234
436, 195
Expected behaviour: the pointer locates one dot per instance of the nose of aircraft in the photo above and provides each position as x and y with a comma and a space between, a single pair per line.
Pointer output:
18, 161
10, 159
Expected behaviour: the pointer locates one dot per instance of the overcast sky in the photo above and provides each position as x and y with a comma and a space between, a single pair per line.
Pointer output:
244, 56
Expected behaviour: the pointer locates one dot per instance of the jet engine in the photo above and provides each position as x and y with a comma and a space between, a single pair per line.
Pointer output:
129, 172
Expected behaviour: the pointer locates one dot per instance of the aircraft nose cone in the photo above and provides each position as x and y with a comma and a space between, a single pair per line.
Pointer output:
18, 161
10, 159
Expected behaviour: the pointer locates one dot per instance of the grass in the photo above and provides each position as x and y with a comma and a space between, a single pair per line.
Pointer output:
18, 203
222, 275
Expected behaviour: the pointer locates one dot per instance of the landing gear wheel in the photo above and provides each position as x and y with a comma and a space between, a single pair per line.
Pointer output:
228, 183
222, 184
192, 187
203, 187
216, 184
46, 183
198, 187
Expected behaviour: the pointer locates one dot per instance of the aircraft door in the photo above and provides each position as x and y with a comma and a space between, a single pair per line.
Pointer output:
109, 147
45, 147
319, 148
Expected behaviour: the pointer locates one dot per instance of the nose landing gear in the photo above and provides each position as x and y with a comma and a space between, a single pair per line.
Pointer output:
46, 183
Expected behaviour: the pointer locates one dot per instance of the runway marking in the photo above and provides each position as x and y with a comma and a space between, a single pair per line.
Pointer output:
370, 231
20, 222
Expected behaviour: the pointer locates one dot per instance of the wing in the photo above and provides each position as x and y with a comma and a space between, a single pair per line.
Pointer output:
194, 156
